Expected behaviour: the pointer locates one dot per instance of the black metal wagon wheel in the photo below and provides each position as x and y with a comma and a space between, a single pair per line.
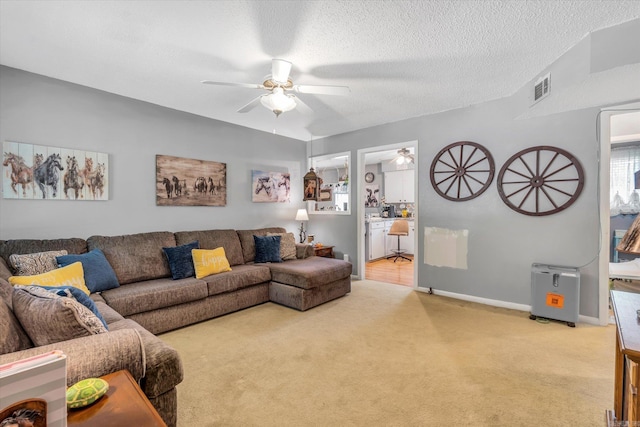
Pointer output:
462, 171
540, 181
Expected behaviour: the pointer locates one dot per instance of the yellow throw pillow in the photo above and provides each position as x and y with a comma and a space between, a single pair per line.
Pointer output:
71, 275
209, 261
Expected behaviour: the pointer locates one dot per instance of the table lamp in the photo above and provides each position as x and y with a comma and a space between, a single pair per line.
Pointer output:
302, 216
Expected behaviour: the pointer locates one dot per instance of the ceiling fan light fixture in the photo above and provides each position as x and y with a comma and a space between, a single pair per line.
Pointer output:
278, 102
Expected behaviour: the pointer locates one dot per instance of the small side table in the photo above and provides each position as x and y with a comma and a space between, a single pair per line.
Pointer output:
123, 405
324, 251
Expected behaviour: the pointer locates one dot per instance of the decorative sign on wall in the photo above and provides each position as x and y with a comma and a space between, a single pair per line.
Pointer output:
190, 182
41, 172
270, 187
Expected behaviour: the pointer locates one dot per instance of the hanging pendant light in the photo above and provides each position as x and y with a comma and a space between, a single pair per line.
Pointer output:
311, 182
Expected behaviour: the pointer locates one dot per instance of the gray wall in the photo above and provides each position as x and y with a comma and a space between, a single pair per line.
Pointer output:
39, 110
502, 243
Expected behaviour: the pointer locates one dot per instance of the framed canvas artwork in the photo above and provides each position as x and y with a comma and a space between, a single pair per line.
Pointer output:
190, 182
41, 172
270, 187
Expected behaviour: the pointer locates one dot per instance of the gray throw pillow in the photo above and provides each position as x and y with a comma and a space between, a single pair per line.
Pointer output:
287, 245
49, 318
35, 263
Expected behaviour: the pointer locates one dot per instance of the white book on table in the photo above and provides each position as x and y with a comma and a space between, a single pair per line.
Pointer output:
39, 377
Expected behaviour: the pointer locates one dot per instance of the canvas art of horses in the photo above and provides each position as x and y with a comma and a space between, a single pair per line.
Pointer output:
21, 174
48, 175
72, 179
86, 172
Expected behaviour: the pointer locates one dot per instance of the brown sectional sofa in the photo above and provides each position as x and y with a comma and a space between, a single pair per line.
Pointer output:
149, 302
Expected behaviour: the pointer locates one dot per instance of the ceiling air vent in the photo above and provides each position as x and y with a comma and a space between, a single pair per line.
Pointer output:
541, 88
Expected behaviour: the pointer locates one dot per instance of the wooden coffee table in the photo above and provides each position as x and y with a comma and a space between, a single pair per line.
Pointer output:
123, 405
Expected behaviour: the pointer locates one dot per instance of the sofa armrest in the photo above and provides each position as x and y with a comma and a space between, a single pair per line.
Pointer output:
5, 271
304, 250
94, 356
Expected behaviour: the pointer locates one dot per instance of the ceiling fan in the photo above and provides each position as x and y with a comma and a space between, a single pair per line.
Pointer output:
279, 86
404, 157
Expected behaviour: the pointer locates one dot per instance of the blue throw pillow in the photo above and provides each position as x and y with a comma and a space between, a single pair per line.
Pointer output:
267, 249
98, 273
79, 296
181, 261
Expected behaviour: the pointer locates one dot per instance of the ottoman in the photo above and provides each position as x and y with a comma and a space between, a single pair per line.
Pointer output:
306, 283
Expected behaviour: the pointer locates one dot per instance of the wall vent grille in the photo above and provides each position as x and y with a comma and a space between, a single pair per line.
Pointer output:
541, 88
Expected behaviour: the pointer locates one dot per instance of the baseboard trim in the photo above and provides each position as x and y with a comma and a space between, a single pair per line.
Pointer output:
497, 303
486, 301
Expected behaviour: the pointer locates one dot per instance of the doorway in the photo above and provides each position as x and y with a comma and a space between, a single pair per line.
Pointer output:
386, 192
605, 135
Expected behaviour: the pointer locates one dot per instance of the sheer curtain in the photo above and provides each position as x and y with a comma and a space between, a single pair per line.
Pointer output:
624, 198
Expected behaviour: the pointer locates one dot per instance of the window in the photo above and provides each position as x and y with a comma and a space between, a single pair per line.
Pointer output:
625, 162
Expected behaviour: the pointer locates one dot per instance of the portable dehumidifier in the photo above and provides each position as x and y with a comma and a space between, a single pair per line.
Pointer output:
555, 293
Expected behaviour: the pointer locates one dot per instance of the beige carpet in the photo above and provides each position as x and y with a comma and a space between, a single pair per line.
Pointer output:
385, 355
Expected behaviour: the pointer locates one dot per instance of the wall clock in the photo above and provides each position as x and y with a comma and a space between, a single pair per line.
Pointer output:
462, 171
369, 177
540, 181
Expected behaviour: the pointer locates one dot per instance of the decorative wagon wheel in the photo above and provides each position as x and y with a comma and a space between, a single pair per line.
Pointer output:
540, 181
462, 171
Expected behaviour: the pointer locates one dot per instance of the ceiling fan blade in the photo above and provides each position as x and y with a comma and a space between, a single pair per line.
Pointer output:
301, 106
280, 70
247, 85
251, 105
322, 90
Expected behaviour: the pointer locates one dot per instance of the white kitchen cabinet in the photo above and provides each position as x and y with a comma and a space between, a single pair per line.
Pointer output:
391, 242
376, 240
407, 242
399, 186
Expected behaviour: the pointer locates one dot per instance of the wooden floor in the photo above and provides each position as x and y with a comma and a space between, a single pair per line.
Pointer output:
385, 270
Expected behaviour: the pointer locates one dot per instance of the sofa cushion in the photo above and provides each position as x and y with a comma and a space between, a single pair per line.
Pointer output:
242, 276
267, 249
209, 261
28, 246
136, 257
288, 248
181, 260
108, 314
154, 294
98, 273
71, 275
248, 244
57, 319
78, 295
35, 263
211, 239
311, 272
14, 338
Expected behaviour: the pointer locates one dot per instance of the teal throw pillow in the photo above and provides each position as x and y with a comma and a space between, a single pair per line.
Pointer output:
267, 249
181, 260
98, 273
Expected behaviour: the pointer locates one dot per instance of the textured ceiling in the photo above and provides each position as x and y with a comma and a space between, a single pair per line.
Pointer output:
401, 59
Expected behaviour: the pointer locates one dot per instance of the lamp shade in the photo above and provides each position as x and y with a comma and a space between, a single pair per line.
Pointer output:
302, 215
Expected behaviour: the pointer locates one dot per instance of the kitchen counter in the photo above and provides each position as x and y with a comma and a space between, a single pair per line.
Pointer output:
366, 221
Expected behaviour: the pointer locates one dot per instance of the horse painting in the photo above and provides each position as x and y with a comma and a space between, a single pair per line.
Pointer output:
48, 175
21, 174
96, 181
71, 178
264, 183
177, 188
168, 186
87, 171
200, 186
